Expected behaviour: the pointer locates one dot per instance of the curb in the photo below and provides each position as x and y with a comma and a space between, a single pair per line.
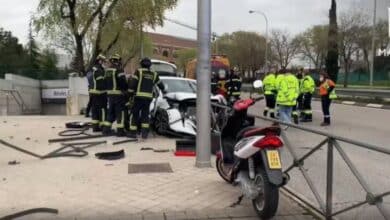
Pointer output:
360, 104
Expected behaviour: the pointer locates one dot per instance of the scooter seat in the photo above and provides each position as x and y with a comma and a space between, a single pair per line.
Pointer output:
263, 131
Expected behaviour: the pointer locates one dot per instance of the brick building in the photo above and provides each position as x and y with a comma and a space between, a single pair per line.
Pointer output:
166, 46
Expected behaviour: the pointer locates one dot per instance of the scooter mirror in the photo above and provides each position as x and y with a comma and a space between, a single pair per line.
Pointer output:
257, 84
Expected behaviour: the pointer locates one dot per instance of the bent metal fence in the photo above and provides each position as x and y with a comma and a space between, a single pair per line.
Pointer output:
332, 142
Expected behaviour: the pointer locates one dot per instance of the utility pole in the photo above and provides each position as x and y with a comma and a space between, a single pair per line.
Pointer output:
373, 46
203, 71
266, 36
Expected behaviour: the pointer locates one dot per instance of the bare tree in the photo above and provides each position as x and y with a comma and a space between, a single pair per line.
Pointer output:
284, 48
352, 25
313, 45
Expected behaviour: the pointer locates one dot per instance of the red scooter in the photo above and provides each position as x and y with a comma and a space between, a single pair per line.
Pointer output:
250, 156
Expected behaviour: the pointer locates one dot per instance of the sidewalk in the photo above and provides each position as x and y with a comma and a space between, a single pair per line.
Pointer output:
87, 188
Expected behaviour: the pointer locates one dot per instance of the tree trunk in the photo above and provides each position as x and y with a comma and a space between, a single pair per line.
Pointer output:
79, 58
346, 69
366, 60
333, 52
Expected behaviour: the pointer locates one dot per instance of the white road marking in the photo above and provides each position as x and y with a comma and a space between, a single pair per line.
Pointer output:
374, 105
349, 102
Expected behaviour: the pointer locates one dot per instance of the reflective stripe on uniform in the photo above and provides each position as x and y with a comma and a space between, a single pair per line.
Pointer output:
139, 82
133, 128
294, 113
114, 92
122, 124
103, 118
94, 91
95, 122
145, 125
144, 94
106, 123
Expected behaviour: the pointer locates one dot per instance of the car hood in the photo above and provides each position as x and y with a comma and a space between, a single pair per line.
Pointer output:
183, 96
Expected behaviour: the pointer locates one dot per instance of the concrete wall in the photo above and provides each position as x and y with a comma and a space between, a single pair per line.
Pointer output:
29, 90
25, 90
78, 95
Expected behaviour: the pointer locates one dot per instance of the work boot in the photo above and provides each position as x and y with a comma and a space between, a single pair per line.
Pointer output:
265, 113
107, 131
96, 129
307, 118
120, 132
272, 115
131, 135
323, 124
296, 119
326, 122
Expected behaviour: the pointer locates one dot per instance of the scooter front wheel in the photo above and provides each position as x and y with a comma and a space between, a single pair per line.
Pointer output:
223, 170
266, 203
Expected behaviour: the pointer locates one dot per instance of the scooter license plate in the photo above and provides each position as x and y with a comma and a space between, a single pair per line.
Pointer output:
274, 159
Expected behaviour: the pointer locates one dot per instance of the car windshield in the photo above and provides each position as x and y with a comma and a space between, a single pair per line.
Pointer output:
178, 85
163, 69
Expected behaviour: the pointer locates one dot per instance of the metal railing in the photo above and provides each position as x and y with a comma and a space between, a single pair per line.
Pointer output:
17, 97
347, 92
332, 142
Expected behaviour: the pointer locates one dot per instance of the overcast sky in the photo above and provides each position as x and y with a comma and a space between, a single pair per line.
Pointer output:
228, 15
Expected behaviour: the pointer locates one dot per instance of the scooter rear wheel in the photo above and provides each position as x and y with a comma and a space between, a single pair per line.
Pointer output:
223, 171
266, 204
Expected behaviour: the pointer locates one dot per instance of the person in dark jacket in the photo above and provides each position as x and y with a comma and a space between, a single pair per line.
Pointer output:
97, 93
141, 93
233, 84
327, 93
116, 85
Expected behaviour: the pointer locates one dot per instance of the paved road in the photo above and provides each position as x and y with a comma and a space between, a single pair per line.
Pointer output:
358, 123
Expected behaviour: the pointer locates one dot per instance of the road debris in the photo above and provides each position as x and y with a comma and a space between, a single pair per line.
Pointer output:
114, 155
14, 162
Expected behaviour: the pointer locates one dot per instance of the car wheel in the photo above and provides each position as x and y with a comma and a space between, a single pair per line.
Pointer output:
161, 122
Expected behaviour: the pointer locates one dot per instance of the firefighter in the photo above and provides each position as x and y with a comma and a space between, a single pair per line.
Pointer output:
327, 93
270, 92
221, 82
287, 96
233, 84
300, 75
307, 89
279, 77
116, 92
97, 93
298, 106
141, 93
214, 83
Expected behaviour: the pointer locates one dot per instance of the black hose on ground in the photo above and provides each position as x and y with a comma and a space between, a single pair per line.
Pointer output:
29, 212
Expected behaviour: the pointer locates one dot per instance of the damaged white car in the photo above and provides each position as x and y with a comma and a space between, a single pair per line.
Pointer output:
174, 113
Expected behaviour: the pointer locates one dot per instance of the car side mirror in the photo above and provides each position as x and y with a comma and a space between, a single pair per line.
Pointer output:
257, 84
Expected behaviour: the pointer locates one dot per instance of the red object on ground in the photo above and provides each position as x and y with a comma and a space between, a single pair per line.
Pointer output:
183, 153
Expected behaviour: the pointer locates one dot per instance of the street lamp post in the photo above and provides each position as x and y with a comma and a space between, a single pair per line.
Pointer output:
203, 70
266, 36
373, 46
